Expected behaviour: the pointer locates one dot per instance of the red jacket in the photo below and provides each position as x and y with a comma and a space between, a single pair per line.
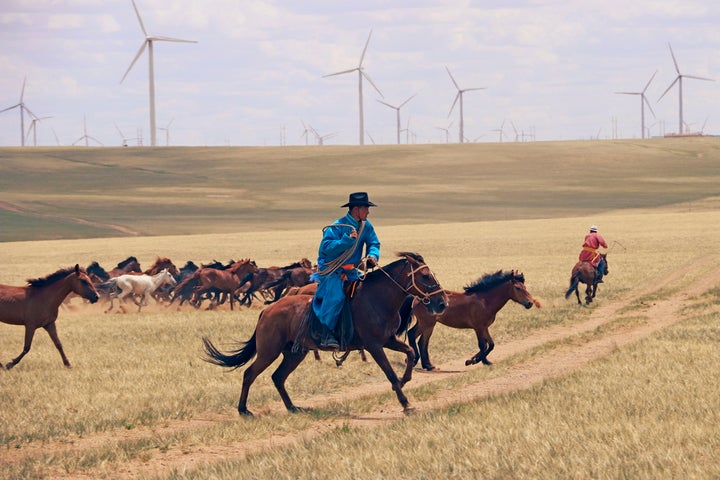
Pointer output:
593, 241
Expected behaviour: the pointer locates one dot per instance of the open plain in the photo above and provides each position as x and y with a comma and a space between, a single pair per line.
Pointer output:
624, 388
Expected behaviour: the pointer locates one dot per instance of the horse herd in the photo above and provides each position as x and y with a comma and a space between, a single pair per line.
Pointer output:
383, 308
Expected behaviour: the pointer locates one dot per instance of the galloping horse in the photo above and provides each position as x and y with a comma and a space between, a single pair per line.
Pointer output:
281, 328
584, 272
36, 305
142, 285
224, 282
128, 265
474, 308
163, 292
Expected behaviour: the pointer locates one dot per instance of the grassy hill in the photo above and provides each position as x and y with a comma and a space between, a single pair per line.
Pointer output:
81, 192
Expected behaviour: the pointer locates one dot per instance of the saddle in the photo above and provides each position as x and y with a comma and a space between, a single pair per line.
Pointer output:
314, 330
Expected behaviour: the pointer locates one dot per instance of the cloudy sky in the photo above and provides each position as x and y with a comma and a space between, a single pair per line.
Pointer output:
255, 77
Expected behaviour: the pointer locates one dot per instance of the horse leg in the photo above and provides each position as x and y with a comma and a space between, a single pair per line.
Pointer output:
589, 294
288, 364
378, 354
485, 344
251, 373
412, 340
29, 333
52, 331
423, 346
394, 343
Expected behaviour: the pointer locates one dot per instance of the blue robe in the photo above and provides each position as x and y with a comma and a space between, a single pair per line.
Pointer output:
329, 298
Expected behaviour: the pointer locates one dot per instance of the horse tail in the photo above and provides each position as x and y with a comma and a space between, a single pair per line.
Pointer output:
233, 359
574, 281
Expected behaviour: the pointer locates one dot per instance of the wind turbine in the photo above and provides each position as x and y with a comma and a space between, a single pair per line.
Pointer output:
679, 80
398, 113
502, 125
148, 42
361, 74
167, 131
23, 108
460, 97
85, 136
447, 132
33, 127
643, 102
306, 132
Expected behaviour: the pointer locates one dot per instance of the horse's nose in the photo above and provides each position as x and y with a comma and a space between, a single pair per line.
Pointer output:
93, 297
528, 304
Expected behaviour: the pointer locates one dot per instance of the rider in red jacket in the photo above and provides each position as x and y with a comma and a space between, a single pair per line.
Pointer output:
589, 253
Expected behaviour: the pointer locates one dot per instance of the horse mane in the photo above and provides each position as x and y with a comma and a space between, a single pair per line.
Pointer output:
189, 265
125, 262
403, 258
52, 278
492, 280
95, 268
292, 265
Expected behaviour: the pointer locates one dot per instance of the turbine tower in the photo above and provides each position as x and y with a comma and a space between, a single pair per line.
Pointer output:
86, 137
148, 42
23, 109
398, 113
361, 74
679, 80
460, 96
643, 102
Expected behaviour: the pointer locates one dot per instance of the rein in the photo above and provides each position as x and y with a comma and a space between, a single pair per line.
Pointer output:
424, 297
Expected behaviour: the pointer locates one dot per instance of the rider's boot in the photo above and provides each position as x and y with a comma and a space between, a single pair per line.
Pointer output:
329, 341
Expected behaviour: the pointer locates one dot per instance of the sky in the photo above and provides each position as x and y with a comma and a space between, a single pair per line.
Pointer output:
548, 70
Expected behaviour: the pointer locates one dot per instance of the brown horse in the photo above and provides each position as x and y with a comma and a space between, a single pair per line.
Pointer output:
128, 265
584, 272
281, 328
225, 282
474, 308
36, 305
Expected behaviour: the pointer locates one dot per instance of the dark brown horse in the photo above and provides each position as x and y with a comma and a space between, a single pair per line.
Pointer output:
36, 305
128, 265
376, 323
224, 282
474, 308
584, 272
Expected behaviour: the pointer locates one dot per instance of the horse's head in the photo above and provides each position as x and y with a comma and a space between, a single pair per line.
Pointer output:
605, 263
81, 284
423, 284
162, 263
167, 278
519, 292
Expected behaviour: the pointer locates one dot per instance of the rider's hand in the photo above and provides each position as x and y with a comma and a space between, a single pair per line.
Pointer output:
353, 234
371, 262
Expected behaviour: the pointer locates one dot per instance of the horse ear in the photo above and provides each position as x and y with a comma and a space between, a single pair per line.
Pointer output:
77, 269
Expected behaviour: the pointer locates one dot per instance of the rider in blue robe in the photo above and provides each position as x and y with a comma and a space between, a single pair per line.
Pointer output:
340, 253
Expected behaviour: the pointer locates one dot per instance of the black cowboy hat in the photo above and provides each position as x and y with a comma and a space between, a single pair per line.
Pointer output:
359, 199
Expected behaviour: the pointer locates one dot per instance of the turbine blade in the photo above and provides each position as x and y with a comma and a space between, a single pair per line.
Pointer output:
406, 101
340, 73
648, 105
699, 78
476, 88
22, 92
170, 39
668, 88
454, 102
628, 93
372, 83
391, 106
452, 78
137, 12
648, 83
140, 52
364, 49
10, 108
677, 69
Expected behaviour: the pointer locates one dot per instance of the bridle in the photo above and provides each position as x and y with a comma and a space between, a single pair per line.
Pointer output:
423, 296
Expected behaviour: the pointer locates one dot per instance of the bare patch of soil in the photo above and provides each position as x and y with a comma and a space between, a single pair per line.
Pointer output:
563, 359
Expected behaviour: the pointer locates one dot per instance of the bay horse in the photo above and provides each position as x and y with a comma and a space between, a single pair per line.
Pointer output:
282, 328
128, 265
141, 285
36, 305
224, 282
475, 308
584, 272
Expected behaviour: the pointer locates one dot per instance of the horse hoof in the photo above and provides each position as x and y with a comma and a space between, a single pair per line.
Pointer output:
409, 410
468, 363
245, 413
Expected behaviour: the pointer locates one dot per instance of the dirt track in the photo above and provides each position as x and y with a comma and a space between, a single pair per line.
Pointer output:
560, 360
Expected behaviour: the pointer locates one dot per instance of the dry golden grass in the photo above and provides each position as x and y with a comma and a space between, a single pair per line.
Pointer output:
646, 411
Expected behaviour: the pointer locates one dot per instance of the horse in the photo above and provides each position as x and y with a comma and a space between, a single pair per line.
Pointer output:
163, 292
128, 265
36, 305
224, 282
584, 272
282, 328
476, 308
260, 281
142, 285
292, 278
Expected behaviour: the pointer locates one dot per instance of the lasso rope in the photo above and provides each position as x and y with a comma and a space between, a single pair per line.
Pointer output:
343, 257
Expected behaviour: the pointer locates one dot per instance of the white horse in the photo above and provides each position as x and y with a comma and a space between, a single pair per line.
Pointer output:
138, 285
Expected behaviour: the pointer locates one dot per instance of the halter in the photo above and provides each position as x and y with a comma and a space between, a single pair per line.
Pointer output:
424, 297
